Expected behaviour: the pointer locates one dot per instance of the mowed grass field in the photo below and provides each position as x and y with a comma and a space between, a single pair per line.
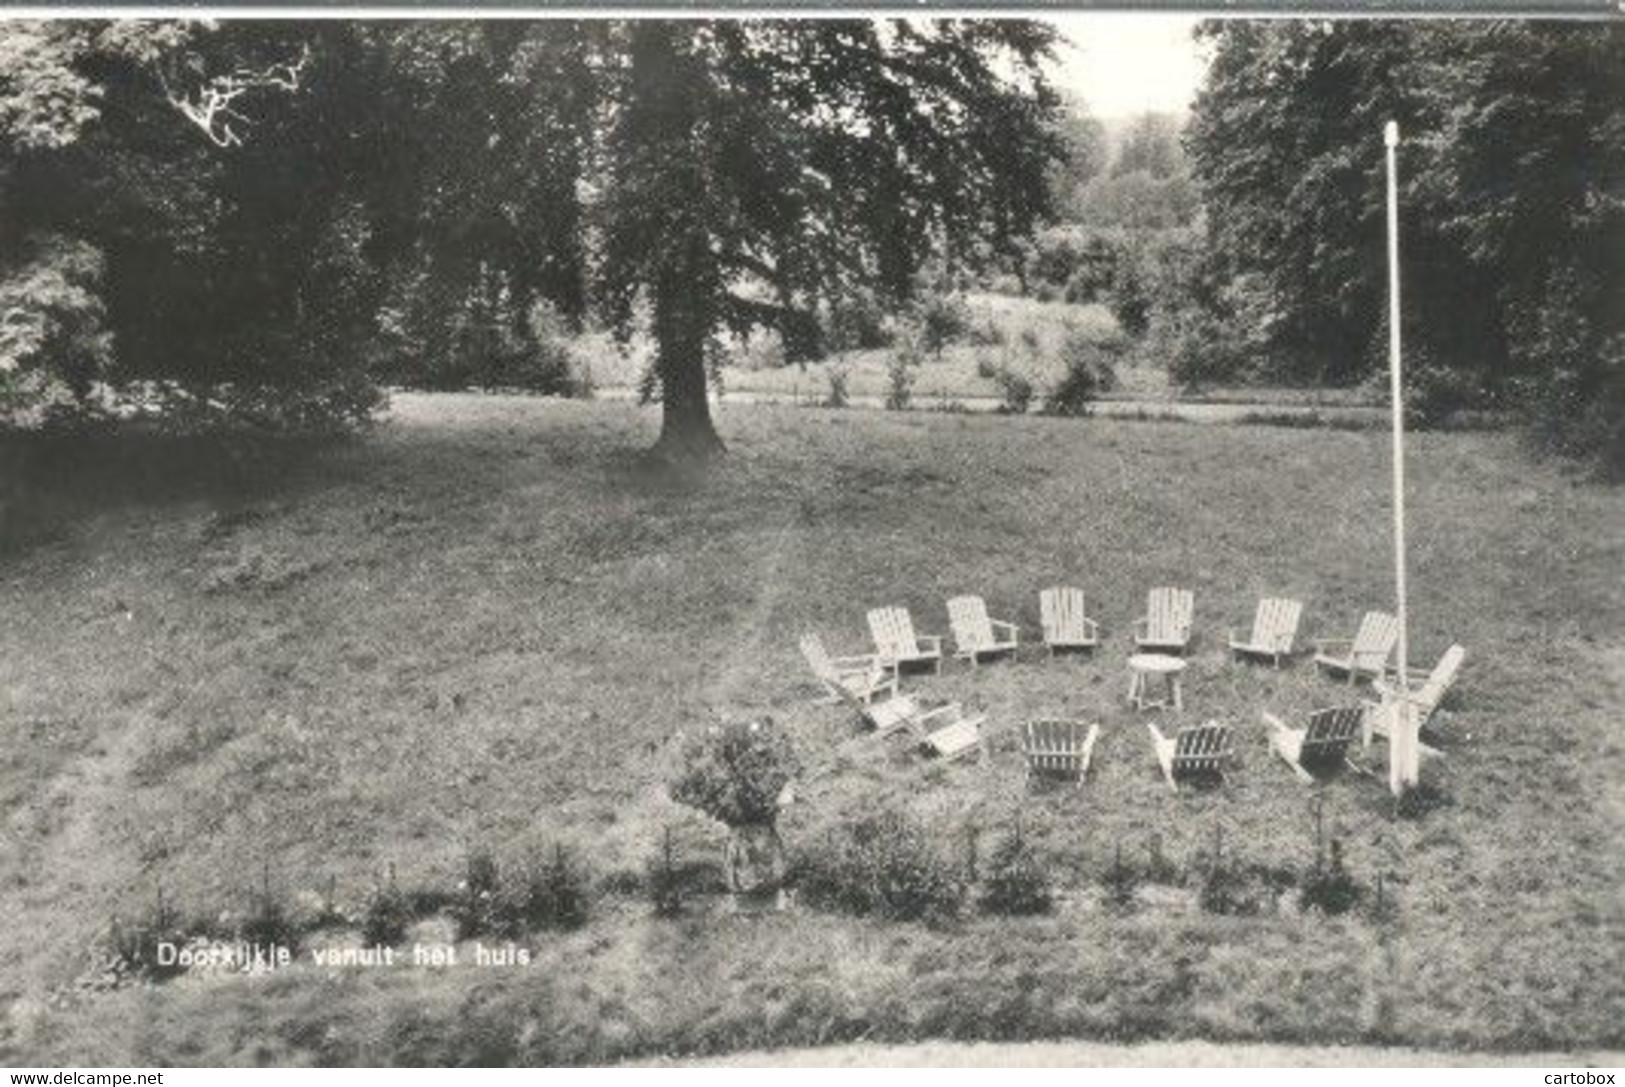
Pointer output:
481, 626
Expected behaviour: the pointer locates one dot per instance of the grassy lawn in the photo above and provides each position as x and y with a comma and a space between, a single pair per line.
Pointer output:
481, 627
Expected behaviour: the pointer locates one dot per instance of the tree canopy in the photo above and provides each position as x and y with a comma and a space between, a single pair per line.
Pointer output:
1512, 204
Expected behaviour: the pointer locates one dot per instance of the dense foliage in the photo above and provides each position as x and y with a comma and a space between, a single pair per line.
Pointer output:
1512, 204
736, 773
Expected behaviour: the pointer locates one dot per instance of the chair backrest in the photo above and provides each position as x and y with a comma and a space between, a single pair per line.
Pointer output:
893, 631
1276, 623
1201, 748
1168, 614
1054, 745
1061, 611
1374, 641
1330, 732
812, 647
967, 615
1440, 679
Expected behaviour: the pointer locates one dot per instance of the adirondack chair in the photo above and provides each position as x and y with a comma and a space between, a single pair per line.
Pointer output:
1166, 625
1194, 749
1275, 625
864, 676
1323, 743
1426, 698
1065, 625
897, 644
1059, 747
974, 633
885, 717
948, 733
1365, 656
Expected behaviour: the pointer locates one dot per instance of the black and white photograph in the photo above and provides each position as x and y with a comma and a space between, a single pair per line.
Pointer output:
838, 538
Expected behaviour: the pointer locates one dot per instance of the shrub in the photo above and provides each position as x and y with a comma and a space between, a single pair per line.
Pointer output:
475, 907
1329, 887
135, 943
881, 865
943, 319
1015, 390
1015, 883
1130, 299
556, 895
1089, 372
267, 921
836, 376
899, 383
666, 882
1200, 349
387, 914
1121, 882
985, 334
735, 774
1029, 340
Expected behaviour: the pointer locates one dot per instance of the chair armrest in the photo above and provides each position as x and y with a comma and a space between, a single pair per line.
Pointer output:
1092, 627
857, 660
1322, 643
1015, 631
1272, 722
934, 640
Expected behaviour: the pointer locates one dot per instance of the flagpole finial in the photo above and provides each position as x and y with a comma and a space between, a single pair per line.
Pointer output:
1390, 134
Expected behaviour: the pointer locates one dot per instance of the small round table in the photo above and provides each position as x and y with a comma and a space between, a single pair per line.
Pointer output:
1141, 668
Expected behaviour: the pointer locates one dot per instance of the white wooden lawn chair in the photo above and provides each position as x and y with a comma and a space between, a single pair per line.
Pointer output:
1059, 747
1166, 625
865, 675
948, 733
1367, 655
1060, 609
974, 633
1426, 699
1193, 750
887, 716
1275, 625
897, 644
1323, 742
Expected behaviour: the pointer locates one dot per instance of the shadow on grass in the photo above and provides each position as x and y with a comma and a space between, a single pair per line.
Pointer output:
51, 481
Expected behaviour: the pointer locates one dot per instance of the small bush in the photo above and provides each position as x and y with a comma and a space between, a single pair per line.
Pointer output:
475, 906
1329, 887
1121, 883
943, 319
736, 773
1015, 884
1130, 299
1015, 390
1089, 372
1200, 349
900, 374
135, 943
882, 866
1029, 340
837, 377
666, 882
985, 334
267, 921
557, 895
387, 915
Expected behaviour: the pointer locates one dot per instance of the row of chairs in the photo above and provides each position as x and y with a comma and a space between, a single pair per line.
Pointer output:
1165, 628
1066, 748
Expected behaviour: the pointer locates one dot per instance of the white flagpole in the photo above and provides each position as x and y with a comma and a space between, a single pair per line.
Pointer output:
1403, 743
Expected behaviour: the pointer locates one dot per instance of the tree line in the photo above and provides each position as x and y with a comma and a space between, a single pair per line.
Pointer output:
261, 220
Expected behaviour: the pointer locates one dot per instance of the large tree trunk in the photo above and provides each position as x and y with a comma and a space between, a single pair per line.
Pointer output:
682, 325
667, 101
